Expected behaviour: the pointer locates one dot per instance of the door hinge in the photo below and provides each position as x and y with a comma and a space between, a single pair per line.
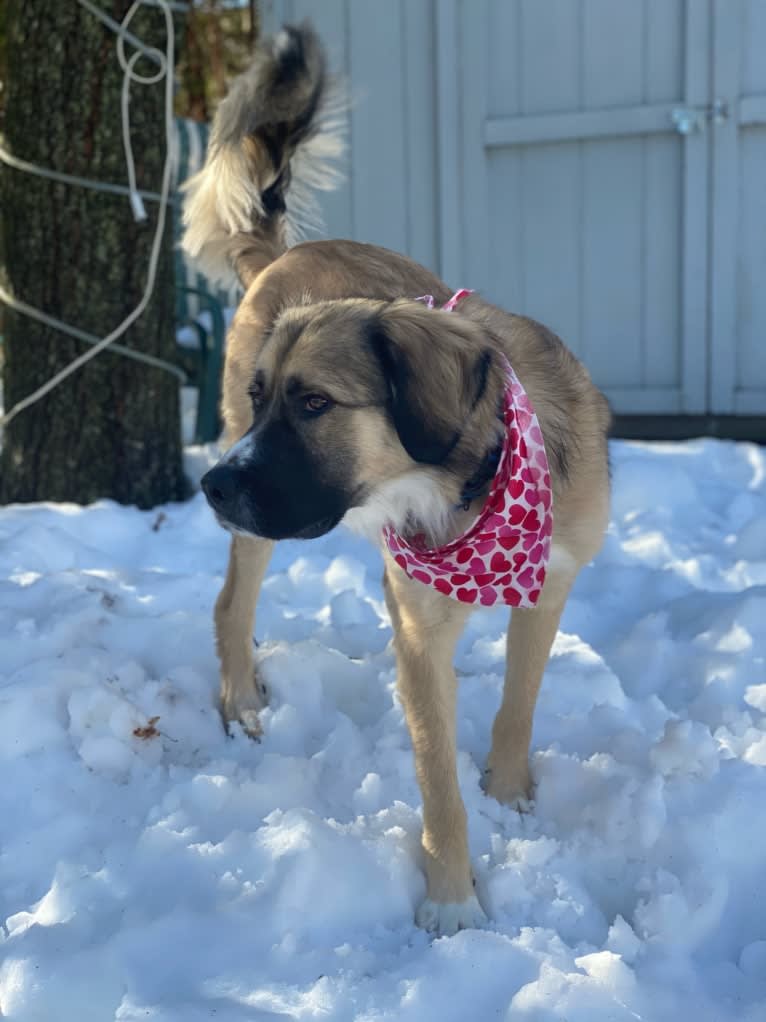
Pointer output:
689, 119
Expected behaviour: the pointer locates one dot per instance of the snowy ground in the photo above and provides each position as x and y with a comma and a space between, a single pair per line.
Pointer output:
152, 868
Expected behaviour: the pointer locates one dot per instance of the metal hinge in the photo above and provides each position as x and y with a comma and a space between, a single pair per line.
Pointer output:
689, 119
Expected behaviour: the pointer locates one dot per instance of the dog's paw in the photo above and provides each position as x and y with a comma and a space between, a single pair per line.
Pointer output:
516, 793
445, 918
243, 708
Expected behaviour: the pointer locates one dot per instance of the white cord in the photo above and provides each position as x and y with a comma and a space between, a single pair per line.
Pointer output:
121, 30
166, 72
131, 75
71, 179
83, 335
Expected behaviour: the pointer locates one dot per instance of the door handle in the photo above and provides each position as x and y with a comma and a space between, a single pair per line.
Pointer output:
687, 120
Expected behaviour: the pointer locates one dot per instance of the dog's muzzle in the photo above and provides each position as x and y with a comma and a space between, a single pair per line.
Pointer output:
271, 513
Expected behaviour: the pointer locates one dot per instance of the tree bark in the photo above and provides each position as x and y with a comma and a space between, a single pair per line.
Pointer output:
113, 428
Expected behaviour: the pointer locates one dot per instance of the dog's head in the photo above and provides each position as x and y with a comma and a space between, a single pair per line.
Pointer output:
383, 408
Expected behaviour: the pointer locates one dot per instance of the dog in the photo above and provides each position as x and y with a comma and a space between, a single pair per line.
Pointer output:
347, 399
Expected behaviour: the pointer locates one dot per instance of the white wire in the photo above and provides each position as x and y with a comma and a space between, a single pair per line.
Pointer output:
121, 30
83, 335
71, 179
128, 66
130, 74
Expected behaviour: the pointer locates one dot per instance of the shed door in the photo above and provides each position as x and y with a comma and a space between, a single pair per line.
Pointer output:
567, 189
738, 249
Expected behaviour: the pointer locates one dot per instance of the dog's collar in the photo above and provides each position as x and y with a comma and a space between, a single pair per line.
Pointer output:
448, 305
482, 477
502, 556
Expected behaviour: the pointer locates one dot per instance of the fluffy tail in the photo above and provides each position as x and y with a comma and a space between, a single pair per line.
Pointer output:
274, 142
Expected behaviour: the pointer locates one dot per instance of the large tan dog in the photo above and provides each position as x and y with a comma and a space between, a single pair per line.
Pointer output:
346, 400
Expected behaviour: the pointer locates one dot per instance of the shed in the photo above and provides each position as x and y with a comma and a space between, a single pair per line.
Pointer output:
599, 165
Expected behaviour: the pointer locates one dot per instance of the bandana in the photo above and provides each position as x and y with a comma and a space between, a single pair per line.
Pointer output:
502, 556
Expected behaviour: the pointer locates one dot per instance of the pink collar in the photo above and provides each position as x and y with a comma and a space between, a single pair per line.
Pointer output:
502, 556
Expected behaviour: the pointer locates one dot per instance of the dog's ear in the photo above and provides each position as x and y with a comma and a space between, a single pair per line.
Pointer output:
438, 369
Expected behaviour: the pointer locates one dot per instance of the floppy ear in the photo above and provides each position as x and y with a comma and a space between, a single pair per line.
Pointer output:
437, 368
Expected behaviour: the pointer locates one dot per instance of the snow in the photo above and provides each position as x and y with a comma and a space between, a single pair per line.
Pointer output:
153, 868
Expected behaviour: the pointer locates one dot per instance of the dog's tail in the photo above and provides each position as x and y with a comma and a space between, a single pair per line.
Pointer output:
275, 140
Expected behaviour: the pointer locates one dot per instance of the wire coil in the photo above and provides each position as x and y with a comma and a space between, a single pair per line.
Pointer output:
165, 62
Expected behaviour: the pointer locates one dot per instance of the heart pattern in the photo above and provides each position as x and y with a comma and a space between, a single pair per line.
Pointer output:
476, 567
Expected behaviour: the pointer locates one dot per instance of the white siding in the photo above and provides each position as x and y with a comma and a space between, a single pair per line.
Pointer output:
527, 148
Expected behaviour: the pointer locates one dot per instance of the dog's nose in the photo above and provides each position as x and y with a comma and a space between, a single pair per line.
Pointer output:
220, 486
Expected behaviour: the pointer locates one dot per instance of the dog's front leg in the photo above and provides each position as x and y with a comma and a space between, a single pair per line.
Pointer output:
426, 628
530, 638
242, 694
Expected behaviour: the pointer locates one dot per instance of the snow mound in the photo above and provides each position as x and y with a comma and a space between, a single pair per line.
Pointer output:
153, 867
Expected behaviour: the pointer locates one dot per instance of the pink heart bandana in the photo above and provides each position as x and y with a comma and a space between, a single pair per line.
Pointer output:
502, 556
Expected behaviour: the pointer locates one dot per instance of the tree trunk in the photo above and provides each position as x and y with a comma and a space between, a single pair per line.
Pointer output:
113, 428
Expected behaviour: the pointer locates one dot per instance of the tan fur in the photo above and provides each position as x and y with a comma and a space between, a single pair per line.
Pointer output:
241, 696
426, 629
426, 625
318, 313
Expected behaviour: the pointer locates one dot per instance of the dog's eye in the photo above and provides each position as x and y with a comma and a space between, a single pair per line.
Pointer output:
315, 403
